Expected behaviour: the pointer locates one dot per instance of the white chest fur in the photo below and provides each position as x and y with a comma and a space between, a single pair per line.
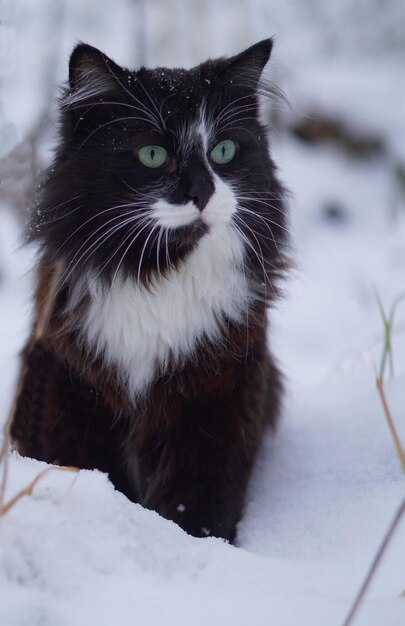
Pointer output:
140, 330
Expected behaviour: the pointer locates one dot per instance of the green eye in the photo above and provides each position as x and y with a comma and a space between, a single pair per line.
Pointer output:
223, 152
152, 156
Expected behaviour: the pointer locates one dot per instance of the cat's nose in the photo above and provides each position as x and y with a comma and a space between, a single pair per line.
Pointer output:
199, 187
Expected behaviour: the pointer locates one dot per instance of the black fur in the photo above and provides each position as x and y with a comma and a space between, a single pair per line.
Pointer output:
95, 168
187, 447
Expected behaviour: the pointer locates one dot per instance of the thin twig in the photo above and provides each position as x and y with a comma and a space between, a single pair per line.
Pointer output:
5, 446
40, 328
27, 491
374, 565
391, 425
388, 322
387, 350
400, 298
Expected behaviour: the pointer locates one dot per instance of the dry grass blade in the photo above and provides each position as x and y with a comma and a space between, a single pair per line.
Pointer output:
40, 328
388, 324
387, 352
27, 491
390, 422
6, 444
374, 565
4, 464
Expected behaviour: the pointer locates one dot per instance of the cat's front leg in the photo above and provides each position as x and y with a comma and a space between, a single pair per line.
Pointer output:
202, 475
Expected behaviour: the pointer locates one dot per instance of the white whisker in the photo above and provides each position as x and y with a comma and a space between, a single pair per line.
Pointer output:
143, 252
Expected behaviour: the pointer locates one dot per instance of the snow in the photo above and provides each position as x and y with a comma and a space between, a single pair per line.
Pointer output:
327, 486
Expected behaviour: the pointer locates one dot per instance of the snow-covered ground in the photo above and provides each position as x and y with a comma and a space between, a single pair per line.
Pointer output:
326, 487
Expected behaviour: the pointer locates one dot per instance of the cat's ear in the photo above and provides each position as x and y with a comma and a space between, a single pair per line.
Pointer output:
248, 66
91, 73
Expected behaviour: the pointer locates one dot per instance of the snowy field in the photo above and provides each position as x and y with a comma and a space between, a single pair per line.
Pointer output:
326, 487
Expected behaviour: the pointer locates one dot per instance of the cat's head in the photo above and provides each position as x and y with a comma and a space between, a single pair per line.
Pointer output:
152, 160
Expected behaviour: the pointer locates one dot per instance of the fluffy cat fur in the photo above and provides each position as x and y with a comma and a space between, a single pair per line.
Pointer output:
148, 356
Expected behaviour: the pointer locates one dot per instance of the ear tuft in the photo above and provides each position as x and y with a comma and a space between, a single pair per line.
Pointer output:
92, 75
87, 62
257, 55
250, 63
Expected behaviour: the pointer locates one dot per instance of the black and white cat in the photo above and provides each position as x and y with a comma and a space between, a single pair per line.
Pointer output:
163, 235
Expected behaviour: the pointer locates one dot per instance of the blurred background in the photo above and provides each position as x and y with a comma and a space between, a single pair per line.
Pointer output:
340, 146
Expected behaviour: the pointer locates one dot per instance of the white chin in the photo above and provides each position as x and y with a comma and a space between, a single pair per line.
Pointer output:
218, 211
174, 215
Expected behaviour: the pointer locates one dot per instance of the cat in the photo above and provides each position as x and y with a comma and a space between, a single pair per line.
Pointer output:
162, 237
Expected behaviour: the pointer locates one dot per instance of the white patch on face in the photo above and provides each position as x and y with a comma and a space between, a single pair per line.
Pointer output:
222, 204
196, 135
203, 132
169, 215
141, 331
218, 211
